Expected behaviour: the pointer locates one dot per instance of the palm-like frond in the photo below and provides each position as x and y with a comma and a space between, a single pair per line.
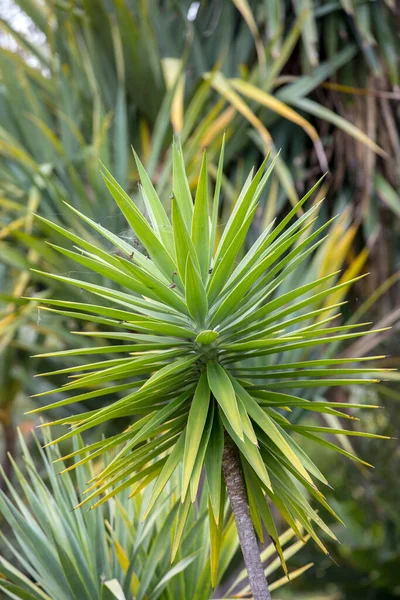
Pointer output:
201, 335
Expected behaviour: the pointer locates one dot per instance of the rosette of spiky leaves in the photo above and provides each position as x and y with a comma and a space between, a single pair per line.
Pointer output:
187, 326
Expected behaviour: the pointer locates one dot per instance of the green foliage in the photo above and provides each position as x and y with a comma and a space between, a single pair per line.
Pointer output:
111, 74
191, 364
109, 553
366, 562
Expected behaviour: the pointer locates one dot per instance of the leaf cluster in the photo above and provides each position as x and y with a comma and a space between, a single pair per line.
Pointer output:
197, 323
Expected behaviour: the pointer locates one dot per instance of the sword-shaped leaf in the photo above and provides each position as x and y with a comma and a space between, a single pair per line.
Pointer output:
201, 222
224, 393
194, 430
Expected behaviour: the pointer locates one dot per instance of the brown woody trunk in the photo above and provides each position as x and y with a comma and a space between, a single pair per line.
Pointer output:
247, 537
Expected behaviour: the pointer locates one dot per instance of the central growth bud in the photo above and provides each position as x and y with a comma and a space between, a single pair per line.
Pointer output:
206, 346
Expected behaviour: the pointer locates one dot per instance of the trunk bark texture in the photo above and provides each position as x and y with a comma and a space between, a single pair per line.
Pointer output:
247, 537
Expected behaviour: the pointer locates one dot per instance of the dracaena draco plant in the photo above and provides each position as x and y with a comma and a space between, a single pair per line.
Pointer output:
189, 317
110, 553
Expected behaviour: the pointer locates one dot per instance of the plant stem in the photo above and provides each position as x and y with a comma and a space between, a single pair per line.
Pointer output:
247, 537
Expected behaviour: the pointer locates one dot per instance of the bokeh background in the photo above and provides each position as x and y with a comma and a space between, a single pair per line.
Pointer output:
82, 80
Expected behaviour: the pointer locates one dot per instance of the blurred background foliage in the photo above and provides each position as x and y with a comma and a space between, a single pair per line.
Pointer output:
81, 81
